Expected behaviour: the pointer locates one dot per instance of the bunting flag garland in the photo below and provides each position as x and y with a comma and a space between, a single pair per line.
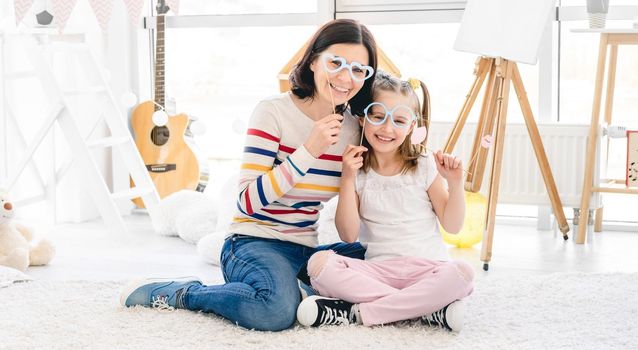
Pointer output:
134, 9
61, 12
21, 7
102, 10
174, 6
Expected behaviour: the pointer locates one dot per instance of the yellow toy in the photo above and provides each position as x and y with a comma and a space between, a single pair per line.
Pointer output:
474, 225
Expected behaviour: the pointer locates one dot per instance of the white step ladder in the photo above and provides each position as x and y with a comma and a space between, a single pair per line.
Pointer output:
120, 137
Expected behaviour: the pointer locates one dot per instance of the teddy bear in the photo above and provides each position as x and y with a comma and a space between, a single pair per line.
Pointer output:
18, 249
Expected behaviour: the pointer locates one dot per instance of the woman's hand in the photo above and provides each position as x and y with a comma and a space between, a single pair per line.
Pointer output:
352, 161
449, 167
324, 134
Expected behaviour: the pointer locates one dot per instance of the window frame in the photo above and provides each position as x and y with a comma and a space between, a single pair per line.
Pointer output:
379, 12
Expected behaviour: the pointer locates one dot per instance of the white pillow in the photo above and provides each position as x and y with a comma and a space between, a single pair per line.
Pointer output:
326, 225
10, 275
186, 213
196, 221
209, 247
227, 203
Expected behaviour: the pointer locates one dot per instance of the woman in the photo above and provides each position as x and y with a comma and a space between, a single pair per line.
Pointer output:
291, 165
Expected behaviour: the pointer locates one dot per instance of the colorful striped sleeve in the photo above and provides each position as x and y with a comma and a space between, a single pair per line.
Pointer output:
261, 181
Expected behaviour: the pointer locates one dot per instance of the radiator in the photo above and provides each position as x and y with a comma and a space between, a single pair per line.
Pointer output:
521, 179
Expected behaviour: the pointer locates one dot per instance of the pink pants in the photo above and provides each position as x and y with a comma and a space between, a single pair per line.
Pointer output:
397, 289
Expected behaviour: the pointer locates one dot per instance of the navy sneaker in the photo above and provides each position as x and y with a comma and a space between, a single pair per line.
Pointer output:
451, 317
305, 290
161, 293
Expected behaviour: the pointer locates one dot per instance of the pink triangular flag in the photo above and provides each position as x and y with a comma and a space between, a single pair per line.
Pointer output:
418, 135
174, 5
102, 10
62, 12
134, 8
21, 7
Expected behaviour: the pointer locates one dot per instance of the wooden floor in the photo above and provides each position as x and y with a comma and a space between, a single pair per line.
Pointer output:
88, 251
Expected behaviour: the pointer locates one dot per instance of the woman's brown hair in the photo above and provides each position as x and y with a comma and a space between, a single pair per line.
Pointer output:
409, 153
339, 31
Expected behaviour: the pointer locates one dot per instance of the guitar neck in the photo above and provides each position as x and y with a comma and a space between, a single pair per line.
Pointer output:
159, 61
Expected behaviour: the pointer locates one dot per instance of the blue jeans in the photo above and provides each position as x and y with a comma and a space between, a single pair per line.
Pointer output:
261, 290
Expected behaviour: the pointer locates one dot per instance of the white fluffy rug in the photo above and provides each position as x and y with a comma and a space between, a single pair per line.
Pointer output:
558, 311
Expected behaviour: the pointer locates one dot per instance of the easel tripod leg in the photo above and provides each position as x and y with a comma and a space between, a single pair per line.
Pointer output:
482, 68
502, 97
485, 126
539, 150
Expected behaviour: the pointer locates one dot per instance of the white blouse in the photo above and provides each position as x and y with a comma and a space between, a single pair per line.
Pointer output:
397, 215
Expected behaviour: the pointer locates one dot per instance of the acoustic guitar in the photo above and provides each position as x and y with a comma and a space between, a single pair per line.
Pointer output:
171, 163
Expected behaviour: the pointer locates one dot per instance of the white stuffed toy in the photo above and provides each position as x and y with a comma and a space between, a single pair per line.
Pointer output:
18, 250
209, 247
187, 214
192, 215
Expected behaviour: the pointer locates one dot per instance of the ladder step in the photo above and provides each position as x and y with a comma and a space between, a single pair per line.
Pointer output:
84, 91
131, 193
20, 75
108, 142
117, 127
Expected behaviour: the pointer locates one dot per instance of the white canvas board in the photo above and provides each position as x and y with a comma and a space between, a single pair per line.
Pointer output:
511, 29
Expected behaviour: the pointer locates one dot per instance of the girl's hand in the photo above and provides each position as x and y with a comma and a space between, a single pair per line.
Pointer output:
324, 133
352, 161
449, 167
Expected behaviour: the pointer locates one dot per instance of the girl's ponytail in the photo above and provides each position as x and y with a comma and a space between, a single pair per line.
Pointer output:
424, 119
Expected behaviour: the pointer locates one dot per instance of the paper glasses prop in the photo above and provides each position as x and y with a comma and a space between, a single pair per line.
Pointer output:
401, 117
333, 64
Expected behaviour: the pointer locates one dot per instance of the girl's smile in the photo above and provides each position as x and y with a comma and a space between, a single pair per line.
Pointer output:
386, 138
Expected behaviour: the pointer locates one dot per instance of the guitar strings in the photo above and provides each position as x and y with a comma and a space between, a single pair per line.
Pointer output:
159, 105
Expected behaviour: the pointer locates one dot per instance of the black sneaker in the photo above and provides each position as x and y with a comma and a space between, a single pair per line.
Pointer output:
451, 317
316, 311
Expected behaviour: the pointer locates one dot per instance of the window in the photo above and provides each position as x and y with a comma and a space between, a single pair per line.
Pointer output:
584, 2
220, 74
223, 57
425, 51
238, 7
220, 64
404, 5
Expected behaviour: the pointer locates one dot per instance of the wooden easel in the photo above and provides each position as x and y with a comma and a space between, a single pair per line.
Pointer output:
499, 73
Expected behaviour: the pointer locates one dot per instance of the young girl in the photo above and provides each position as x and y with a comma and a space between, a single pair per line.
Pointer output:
398, 195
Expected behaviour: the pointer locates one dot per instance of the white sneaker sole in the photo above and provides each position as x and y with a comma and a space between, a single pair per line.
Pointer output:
455, 315
308, 310
133, 285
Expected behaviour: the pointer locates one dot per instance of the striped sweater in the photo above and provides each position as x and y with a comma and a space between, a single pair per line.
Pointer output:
281, 185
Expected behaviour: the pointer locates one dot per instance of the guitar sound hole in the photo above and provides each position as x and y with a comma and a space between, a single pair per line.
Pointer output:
160, 135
